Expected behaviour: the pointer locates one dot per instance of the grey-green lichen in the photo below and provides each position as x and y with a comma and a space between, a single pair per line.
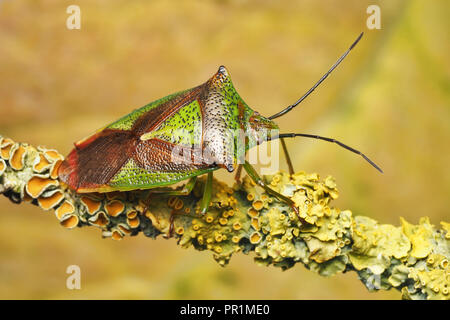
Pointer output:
411, 258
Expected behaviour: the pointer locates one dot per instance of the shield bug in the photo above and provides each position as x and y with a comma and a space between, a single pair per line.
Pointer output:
180, 137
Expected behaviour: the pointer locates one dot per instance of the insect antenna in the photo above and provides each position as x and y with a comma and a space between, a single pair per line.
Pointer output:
292, 106
292, 135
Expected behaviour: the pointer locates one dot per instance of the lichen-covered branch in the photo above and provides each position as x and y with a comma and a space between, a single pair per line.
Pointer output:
410, 258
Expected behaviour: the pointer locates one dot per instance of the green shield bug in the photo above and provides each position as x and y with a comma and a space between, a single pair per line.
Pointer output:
180, 137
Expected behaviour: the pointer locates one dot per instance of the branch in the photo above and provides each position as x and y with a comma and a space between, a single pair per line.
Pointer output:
411, 258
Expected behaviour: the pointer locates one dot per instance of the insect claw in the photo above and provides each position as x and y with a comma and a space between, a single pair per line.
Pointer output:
303, 221
169, 234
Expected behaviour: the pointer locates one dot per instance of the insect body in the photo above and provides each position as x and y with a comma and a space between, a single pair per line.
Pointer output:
147, 148
179, 137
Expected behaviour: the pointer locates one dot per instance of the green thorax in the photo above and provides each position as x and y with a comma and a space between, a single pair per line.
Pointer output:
231, 126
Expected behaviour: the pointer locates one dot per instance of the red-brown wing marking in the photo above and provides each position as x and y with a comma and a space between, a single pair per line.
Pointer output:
156, 155
94, 162
150, 120
96, 159
153, 117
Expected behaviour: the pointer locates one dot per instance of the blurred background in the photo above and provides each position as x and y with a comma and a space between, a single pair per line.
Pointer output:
390, 99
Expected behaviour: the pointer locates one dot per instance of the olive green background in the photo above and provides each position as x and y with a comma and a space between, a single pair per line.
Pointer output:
390, 99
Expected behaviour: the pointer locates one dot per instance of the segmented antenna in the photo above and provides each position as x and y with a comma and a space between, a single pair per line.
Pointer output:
292, 135
292, 106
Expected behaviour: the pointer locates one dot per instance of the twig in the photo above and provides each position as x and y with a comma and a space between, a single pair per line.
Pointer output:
410, 258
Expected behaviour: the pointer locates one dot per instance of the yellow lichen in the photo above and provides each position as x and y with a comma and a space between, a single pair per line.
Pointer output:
375, 244
131, 214
322, 251
114, 208
252, 212
52, 155
272, 219
257, 205
178, 204
50, 201
421, 237
255, 224
71, 221
255, 237
412, 258
64, 209
124, 228
434, 283
54, 169
41, 164
446, 227
2, 166
100, 219
17, 158
92, 205
37, 185
116, 235
5, 148
218, 237
133, 223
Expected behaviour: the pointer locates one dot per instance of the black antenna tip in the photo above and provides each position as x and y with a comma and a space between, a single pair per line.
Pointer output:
292, 106
356, 41
379, 169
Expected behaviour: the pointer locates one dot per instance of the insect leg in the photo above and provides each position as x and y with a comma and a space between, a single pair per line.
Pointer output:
187, 188
237, 176
257, 179
171, 220
207, 194
287, 157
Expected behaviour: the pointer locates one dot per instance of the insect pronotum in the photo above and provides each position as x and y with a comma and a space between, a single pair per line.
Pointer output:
180, 137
